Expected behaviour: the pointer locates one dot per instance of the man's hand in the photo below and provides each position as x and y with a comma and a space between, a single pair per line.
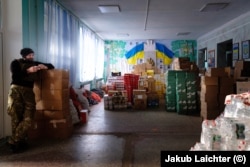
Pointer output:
33, 69
37, 68
42, 67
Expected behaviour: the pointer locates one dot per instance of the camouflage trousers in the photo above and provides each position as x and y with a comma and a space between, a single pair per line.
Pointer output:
21, 108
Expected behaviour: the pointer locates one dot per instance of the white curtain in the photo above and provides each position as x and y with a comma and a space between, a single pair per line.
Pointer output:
100, 59
71, 45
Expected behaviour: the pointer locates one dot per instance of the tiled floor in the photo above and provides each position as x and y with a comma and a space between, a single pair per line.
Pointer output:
125, 138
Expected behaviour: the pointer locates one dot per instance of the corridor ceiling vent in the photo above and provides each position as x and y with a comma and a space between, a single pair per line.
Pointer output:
183, 33
109, 8
213, 7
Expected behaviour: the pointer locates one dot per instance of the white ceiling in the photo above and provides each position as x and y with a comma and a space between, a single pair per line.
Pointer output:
164, 19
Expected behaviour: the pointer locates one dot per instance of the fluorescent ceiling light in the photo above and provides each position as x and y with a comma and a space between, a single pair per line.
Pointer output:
109, 8
182, 33
212, 7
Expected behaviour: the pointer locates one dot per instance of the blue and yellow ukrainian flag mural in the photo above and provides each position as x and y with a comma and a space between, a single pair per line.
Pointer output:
135, 53
162, 52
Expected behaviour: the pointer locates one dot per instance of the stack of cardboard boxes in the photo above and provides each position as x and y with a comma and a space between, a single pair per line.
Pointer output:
242, 76
184, 63
139, 99
52, 116
171, 91
215, 86
115, 100
242, 70
145, 69
181, 92
209, 97
153, 90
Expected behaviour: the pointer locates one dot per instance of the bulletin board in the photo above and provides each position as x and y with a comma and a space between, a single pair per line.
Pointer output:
211, 58
245, 49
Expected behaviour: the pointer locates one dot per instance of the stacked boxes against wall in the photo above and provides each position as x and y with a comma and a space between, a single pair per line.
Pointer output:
115, 83
171, 91
186, 92
149, 84
209, 97
139, 99
160, 87
117, 95
157, 91
131, 82
242, 87
242, 70
241, 76
184, 63
115, 100
191, 86
215, 86
181, 93
52, 118
152, 80
152, 95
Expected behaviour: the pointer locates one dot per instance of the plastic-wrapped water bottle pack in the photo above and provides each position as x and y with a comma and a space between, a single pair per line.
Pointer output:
231, 130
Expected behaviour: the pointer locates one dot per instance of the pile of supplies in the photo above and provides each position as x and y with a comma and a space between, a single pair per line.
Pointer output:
229, 131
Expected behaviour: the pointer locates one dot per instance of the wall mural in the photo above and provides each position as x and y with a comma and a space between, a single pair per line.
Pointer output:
116, 52
185, 48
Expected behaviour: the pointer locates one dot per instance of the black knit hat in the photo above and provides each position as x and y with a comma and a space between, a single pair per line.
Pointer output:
25, 51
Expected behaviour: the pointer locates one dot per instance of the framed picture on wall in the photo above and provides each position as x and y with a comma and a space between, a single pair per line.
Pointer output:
235, 51
245, 49
211, 58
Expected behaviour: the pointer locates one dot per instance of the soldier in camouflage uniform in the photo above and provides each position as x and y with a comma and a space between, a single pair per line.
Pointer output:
21, 98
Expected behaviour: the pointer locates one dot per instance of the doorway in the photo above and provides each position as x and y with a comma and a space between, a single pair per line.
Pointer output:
224, 54
202, 58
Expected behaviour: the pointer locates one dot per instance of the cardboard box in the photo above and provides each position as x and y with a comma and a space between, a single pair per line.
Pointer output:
140, 68
55, 73
39, 115
149, 66
55, 94
210, 97
152, 96
242, 87
210, 88
55, 114
210, 114
37, 129
59, 128
138, 92
226, 81
219, 72
38, 87
226, 90
208, 80
140, 96
140, 104
55, 83
112, 92
151, 85
142, 84
53, 104
139, 99
237, 69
